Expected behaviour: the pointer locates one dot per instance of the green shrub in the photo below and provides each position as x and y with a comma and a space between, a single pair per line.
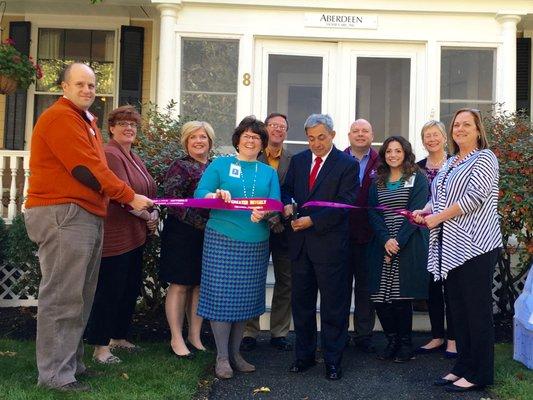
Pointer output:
511, 139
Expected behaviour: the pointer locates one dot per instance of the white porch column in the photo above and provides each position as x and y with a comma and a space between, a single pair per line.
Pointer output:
167, 74
508, 24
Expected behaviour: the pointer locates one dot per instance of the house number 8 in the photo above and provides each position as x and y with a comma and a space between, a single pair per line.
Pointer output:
246, 79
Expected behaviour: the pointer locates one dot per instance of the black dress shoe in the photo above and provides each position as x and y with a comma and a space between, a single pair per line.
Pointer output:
248, 343
442, 382
302, 365
281, 343
422, 350
188, 356
333, 372
459, 389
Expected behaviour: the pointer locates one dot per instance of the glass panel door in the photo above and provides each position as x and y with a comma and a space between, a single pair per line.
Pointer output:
383, 95
295, 82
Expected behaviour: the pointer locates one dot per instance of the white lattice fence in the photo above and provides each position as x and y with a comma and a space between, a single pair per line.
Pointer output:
9, 295
497, 287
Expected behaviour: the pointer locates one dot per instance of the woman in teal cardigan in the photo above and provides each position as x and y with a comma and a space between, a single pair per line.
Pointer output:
398, 251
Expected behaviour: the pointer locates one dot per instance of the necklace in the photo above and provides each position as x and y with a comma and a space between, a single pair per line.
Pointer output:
460, 158
244, 184
431, 165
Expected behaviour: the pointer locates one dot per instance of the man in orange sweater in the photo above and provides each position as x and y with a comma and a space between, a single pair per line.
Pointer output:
69, 188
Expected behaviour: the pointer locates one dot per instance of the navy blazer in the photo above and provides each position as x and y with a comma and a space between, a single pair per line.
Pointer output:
338, 181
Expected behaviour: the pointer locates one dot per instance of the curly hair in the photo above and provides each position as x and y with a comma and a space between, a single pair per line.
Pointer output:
409, 166
252, 124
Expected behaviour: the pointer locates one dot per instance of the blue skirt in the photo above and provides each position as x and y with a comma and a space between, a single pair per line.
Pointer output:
233, 280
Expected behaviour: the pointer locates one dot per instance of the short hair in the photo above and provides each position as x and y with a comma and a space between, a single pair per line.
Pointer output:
190, 127
482, 141
123, 113
409, 166
274, 115
250, 123
65, 72
319, 119
434, 123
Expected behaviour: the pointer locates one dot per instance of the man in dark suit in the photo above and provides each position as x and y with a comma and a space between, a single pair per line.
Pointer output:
318, 245
280, 315
361, 137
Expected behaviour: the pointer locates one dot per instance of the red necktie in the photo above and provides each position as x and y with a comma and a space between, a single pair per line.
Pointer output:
314, 173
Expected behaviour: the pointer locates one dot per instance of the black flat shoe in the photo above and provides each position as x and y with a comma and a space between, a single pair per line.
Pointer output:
459, 389
450, 354
443, 382
302, 365
333, 372
188, 356
422, 350
281, 343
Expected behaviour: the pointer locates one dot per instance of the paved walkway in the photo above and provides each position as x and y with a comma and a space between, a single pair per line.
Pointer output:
365, 377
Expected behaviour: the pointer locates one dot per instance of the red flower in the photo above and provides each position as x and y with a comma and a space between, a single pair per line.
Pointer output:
9, 41
16, 59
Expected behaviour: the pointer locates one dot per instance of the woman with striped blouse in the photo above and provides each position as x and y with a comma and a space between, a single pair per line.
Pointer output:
463, 248
397, 252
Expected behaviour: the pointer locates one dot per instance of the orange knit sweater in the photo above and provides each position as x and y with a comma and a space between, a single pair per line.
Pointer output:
65, 143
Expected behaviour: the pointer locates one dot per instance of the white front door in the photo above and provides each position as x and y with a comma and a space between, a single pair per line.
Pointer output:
296, 79
381, 82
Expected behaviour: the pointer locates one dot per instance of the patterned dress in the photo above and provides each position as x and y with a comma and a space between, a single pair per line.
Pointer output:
389, 288
183, 231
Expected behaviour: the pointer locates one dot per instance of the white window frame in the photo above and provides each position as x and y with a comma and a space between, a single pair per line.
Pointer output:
73, 22
207, 36
497, 75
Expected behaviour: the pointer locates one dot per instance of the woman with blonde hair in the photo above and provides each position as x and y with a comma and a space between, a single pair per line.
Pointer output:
434, 140
182, 239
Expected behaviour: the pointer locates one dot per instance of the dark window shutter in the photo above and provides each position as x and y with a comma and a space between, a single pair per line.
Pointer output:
15, 116
523, 74
131, 65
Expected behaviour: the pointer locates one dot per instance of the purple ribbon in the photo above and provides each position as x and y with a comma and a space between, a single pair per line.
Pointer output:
403, 212
261, 204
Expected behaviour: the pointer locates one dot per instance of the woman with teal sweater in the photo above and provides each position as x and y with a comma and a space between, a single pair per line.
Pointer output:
235, 255
398, 251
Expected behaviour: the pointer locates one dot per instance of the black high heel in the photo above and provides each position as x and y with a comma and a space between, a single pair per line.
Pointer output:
188, 356
193, 347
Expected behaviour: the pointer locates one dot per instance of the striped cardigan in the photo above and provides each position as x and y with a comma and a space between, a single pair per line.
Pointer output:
473, 185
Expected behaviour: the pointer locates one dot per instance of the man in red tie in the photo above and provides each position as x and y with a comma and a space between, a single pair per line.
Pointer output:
318, 245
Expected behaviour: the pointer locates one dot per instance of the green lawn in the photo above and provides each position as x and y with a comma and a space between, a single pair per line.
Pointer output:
152, 374
513, 380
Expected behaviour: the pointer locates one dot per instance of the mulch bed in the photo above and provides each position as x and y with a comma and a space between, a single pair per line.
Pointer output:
20, 323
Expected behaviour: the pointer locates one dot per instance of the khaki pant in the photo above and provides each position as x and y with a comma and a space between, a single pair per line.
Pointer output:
70, 247
280, 314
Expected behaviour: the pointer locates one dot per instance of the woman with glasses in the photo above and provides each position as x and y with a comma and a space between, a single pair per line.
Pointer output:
397, 252
183, 237
125, 232
236, 249
464, 243
434, 141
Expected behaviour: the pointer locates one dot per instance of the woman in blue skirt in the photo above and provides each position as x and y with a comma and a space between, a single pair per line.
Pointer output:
235, 255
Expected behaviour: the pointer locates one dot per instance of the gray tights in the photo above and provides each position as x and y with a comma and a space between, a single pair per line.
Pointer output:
228, 336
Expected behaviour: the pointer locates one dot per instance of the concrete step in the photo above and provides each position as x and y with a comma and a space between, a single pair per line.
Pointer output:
420, 319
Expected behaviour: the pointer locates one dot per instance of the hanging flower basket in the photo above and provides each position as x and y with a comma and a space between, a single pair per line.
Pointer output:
7, 85
16, 70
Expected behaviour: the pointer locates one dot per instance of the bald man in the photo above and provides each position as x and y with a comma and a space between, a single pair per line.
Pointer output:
69, 188
361, 136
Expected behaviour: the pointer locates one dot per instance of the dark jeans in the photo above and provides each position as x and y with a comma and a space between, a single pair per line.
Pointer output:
119, 285
364, 315
438, 308
470, 294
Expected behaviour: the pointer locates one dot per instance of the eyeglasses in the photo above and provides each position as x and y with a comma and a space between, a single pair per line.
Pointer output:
124, 124
250, 137
278, 126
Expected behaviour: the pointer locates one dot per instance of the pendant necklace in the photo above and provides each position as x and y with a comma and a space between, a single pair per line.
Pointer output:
244, 184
